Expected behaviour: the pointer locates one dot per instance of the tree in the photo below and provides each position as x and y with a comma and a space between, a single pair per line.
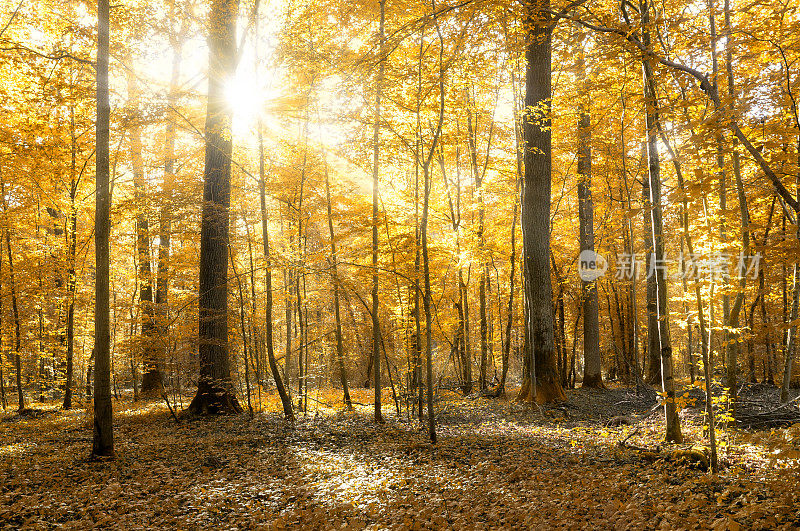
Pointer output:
592, 375
376, 331
165, 214
103, 442
336, 307
151, 378
215, 393
543, 376
673, 427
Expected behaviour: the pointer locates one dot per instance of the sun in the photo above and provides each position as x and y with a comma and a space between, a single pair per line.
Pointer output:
246, 99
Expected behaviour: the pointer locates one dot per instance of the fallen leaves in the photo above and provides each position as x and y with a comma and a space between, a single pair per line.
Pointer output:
496, 465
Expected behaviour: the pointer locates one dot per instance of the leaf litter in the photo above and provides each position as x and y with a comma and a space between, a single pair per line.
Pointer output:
497, 464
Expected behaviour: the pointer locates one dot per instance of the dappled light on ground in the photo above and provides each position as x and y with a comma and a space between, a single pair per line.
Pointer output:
497, 464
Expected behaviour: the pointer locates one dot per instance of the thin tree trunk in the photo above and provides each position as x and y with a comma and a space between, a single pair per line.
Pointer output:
242, 329
165, 218
732, 346
286, 400
288, 284
299, 279
418, 248
705, 330
255, 350
302, 347
633, 318
151, 378
336, 309
501, 388
482, 281
14, 306
376, 358
673, 429
2, 361
763, 293
791, 340
592, 372
424, 238
723, 193
72, 283
652, 357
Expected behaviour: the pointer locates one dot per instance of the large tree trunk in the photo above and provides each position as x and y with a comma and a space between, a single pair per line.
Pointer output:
592, 375
103, 439
536, 204
215, 393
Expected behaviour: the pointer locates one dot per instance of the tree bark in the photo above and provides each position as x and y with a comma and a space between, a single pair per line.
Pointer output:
215, 392
536, 204
103, 438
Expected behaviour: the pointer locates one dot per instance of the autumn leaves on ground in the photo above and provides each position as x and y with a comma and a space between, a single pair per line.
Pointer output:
497, 464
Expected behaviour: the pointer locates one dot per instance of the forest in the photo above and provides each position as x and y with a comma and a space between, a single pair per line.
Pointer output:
399, 264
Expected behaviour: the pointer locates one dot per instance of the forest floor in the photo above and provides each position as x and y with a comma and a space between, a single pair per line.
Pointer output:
497, 464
